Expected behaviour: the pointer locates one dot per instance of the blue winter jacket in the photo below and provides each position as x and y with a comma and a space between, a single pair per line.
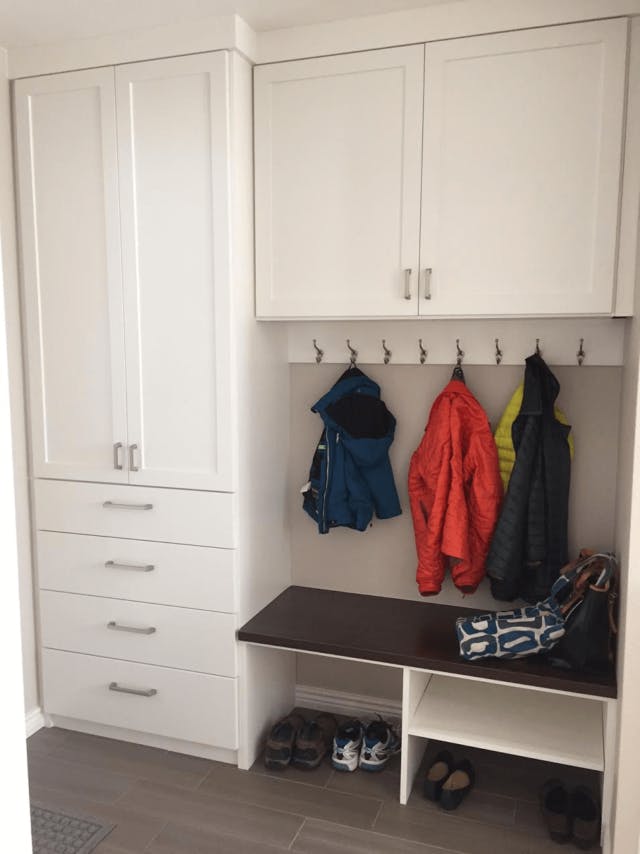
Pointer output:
351, 476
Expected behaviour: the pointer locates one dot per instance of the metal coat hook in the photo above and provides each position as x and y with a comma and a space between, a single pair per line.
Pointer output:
538, 350
498, 352
387, 352
319, 352
354, 355
423, 352
581, 354
460, 353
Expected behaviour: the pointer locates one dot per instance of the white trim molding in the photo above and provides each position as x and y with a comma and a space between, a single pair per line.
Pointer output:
34, 720
359, 706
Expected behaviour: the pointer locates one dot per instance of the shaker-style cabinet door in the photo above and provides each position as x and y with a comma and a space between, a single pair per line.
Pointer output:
70, 242
174, 163
337, 160
521, 178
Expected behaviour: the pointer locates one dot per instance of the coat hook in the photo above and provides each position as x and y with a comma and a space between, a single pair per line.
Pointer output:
538, 350
581, 354
498, 352
354, 354
423, 352
319, 352
460, 356
387, 352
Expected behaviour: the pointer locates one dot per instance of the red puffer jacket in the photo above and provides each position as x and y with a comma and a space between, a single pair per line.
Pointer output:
455, 492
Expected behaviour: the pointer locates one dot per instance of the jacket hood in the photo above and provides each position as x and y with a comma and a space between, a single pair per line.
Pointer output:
541, 388
352, 381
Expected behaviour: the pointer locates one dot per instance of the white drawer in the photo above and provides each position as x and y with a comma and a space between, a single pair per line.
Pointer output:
137, 512
190, 706
136, 631
186, 576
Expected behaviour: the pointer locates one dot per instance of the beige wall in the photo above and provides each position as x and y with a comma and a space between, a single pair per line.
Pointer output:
381, 561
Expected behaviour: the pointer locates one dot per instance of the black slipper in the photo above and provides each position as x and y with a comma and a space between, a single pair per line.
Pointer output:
458, 785
438, 772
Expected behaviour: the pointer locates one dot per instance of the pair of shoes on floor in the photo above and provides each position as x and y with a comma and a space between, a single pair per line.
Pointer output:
448, 782
368, 748
301, 743
571, 815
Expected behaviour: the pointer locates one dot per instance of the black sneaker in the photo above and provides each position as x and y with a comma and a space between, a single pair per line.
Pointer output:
279, 748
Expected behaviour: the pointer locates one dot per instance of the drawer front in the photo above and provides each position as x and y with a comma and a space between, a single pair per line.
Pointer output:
189, 706
137, 512
162, 573
136, 631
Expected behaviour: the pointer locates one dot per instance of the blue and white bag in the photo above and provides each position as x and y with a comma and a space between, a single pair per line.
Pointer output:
517, 633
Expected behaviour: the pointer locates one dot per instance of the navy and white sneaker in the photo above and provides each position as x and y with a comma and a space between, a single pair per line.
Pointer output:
346, 746
380, 743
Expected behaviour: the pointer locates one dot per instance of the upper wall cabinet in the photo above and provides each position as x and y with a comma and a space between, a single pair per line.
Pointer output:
519, 175
521, 170
125, 231
68, 176
337, 150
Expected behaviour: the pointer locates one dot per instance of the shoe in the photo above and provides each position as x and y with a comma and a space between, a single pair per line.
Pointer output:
346, 746
279, 748
314, 741
457, 785
554, 802
380, 743
585, 817
440, 769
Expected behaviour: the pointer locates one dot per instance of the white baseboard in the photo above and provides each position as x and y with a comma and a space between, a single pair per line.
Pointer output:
34, 721
341, 702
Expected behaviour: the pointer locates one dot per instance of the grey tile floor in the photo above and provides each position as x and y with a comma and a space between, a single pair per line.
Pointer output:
167, 803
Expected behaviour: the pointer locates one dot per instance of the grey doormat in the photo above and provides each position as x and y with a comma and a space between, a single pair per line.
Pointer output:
55, 832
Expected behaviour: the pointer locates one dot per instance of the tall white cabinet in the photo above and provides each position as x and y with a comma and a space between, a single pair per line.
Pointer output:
133, 209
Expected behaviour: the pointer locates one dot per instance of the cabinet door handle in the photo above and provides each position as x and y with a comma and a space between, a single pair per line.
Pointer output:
407, 283
132, 464
139, 692
427, 282
117, 464
139, 567
135, 630
121, 505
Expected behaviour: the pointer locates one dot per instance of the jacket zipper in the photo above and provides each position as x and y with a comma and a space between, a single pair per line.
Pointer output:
324, 528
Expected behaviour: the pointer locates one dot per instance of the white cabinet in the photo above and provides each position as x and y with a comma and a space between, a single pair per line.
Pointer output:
337, 151
174, 161
521, 177
125, 227
68, 179
519, 172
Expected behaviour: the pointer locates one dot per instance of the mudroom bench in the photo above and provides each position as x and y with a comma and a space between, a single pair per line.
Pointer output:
526, 707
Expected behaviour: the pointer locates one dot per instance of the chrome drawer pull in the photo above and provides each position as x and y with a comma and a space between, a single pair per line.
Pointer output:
427, 282
125, 506
407, 283
139, 692
116, 456
149, 630
139, 567
132, 462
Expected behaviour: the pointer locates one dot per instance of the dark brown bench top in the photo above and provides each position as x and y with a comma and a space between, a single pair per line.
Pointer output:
400, 632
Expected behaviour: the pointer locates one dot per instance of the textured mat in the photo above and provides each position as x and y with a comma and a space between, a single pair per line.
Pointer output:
55, 832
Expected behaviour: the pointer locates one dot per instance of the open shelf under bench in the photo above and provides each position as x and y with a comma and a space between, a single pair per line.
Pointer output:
419, 635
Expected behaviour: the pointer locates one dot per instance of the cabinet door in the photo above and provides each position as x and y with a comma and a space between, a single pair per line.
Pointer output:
522, 146
68, 195
337, 154
174, 160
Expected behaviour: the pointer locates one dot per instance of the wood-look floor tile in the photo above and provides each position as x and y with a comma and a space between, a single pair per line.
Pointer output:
133, 829
318, 777
450, 831
478, 806
321, 837
219, 812
46, 740
77, 779
135, 760
181, 839
382, 785
299, 798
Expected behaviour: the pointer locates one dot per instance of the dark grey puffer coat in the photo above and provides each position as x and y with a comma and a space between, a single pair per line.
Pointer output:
529, 546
